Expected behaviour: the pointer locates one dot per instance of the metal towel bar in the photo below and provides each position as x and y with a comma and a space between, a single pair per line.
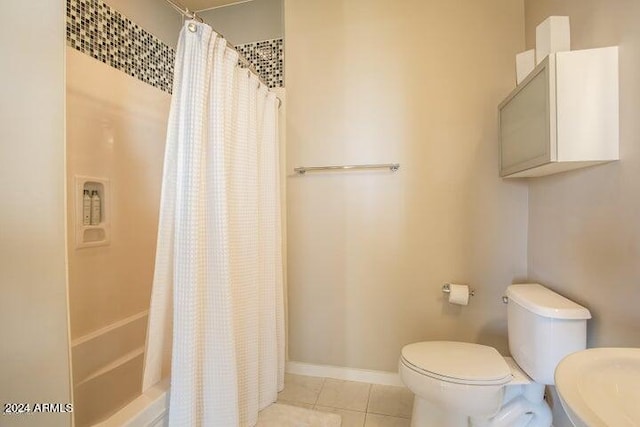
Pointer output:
393, 167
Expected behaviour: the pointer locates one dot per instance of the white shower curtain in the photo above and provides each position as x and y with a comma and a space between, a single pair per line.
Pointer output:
216, 314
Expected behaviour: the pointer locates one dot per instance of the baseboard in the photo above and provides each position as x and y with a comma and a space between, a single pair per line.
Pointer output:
342, 373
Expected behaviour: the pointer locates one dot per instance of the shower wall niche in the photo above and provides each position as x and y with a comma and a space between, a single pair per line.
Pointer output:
97, 232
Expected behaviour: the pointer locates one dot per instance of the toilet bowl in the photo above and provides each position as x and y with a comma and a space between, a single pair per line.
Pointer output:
447, 389
458, 384
495, 392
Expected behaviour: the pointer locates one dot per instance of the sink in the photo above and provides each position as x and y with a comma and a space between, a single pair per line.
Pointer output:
600, 387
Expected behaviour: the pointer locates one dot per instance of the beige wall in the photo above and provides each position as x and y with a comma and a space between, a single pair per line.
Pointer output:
371, 82
155, 16
584, 226
247, 22
116, 128
34, 355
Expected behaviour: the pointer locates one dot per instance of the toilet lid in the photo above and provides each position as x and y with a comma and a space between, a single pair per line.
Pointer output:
458, 361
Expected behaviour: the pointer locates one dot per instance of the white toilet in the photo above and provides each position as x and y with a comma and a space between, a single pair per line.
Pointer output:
460, 384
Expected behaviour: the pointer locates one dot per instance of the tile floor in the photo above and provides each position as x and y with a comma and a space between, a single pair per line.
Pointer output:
359, 404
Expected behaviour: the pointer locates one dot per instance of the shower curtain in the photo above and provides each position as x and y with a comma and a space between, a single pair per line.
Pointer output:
216, 316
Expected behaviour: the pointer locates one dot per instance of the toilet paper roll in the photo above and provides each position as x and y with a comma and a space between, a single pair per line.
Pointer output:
459, 294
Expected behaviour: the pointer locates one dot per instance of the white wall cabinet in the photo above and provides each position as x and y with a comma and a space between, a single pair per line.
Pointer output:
563, 116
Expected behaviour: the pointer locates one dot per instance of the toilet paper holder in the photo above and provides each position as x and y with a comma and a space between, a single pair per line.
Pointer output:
446, 288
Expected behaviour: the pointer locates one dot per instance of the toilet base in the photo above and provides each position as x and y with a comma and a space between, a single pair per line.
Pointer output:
427, 415
523, 406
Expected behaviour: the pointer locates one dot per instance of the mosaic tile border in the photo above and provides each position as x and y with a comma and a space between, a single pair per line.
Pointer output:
268, 59
94, 28
99, 31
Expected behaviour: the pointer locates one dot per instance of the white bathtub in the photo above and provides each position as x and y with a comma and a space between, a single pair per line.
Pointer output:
148, 410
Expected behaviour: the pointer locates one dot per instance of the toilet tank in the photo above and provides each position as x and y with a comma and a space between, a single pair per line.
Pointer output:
544, 327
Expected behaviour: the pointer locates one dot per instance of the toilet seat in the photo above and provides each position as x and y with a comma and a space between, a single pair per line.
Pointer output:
457, 362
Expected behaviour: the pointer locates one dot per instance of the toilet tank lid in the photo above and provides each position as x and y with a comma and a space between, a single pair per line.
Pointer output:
546, 303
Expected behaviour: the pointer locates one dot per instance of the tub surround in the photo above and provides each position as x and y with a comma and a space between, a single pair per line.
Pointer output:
116, 128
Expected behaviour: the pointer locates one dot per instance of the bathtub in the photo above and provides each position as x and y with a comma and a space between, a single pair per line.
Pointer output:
148, 410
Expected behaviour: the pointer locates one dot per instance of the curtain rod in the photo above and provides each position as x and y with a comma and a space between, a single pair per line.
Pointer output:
184, 11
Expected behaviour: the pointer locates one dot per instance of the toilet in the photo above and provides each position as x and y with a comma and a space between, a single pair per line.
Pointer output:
458, 384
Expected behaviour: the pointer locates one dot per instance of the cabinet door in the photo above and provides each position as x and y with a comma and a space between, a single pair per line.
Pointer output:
524, 125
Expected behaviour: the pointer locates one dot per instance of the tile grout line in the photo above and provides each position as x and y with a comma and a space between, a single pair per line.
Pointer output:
315, 404
369, 398
366, 412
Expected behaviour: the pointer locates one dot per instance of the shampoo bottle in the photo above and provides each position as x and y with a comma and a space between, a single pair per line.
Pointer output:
95, 208
86, 208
